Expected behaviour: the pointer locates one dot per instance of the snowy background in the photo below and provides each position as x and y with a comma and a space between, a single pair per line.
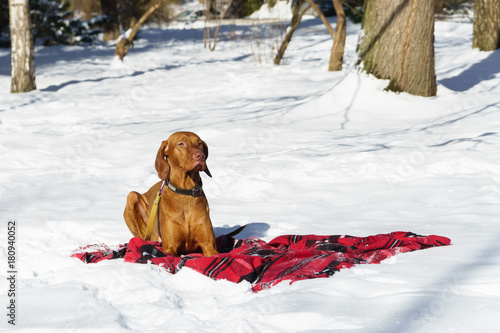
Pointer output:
294, 149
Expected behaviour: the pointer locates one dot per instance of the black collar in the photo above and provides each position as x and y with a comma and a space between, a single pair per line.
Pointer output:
196, 191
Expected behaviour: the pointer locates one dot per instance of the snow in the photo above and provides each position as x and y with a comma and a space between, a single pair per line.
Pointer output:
294, 149
282, 10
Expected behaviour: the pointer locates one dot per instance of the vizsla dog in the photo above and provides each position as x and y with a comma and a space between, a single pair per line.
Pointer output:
182, 223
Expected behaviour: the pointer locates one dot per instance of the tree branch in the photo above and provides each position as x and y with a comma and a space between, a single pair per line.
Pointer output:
322, 17
123, 45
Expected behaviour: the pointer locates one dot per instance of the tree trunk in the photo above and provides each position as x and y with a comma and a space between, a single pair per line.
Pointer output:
294, 23
398, 44
124, 44
486, 27
209, 16
212, 48
23, 51
211, 11
338, 36
337, 54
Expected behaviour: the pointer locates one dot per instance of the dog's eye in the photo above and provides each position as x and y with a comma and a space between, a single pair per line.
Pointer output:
181, 144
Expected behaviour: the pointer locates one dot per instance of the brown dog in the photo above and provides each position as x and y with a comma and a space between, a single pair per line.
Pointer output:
183, 222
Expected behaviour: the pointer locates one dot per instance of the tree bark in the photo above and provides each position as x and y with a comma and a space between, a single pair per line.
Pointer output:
337, 54
398, 44
123, 45
486, 26
23, 50
210, 13
294, 23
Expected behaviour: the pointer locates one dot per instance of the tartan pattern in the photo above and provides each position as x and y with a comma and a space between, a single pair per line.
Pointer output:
285, 258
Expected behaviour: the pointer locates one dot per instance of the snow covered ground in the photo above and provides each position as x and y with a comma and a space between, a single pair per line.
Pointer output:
294, 149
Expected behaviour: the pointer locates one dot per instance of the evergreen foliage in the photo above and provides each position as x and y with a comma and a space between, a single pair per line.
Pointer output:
52, 23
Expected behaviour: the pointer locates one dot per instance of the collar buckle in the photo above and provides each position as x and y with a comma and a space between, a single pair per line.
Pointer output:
197, 191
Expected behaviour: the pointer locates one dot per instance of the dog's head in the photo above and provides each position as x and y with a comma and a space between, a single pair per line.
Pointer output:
184, 150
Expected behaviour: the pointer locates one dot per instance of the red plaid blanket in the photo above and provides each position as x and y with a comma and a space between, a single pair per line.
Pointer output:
285, 258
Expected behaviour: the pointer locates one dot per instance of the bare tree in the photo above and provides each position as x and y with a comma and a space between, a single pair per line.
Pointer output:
338, 36
23, 51
123, 45
211, 9
398, 44
337, 54
294, 23
486, 26
208, 34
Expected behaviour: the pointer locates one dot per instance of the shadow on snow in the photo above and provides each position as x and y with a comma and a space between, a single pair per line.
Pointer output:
478, 73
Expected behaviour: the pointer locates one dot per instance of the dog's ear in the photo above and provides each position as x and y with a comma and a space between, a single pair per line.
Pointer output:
161, 164
205, 151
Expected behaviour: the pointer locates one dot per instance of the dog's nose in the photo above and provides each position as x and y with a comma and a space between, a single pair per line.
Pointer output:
199, 156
